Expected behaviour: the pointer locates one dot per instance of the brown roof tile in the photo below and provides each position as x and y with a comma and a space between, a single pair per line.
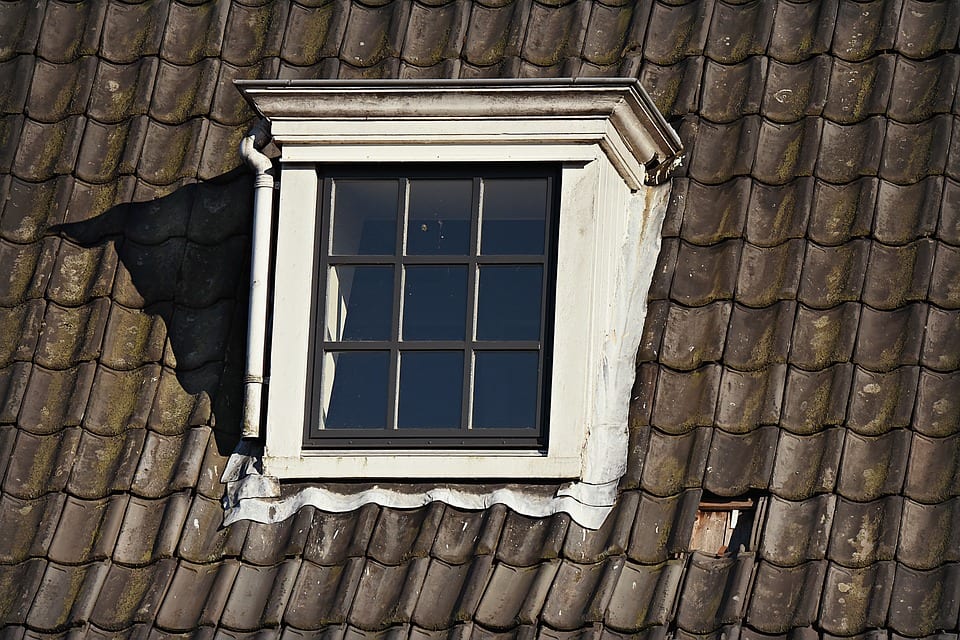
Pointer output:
203, 539
913, 152
131, 595
579, 593
675, 31
662, 526
751, 398
898, 275
105, 463
889, 339
27, 576
66, 596
47, 150
699, 387
822, 338
259, 596
926, 28
937, 412
797, 532
933, 472
196, 595
270, 544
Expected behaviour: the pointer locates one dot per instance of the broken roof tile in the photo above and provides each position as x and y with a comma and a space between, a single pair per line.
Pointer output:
321, 595
122, 90
748, 399
132, 31
880, 402
732, 91
777, 213
259, 595
888, 339
898, 275
858, 90
824, 337
674, 463
643, 596
927, 533
784, 597
695, 335
105, 464
933, 472
131, 595
815, 399
925, 601
754, 452
662, 526
865, 532
60, 90
806, 464
69, 30
940, 350
194, 31
699, 387
714, 592
793, 91
856, 599
873, 466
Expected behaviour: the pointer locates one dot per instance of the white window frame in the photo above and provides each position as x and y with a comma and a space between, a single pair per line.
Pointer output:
612, 146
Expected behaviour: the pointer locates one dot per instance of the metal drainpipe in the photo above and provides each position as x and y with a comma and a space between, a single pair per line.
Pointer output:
255, 378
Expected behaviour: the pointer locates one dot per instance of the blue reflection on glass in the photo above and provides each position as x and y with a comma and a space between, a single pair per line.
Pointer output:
365, 217
509, 302
431, 389
505, 389
355, 389
435, 303
439, 218
359, 302
514, 216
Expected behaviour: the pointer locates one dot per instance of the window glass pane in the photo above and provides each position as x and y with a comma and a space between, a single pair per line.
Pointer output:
505, 389
359, 302
435, 303
365, 217
355, 389
431, 389
514, 216
509, 302
439, 219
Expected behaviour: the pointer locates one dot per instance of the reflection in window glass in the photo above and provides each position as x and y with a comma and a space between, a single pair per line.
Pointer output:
365, 217
435, 303
439, 218
509, 303
359, 302
514, 216
431, 389
505, 389
355, 389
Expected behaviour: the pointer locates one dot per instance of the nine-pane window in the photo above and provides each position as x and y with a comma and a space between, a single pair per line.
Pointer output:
433, 308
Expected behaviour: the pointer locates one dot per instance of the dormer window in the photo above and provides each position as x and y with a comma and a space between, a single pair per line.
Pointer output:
459, 284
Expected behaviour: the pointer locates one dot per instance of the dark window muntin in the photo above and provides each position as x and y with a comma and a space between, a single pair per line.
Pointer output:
491, 438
